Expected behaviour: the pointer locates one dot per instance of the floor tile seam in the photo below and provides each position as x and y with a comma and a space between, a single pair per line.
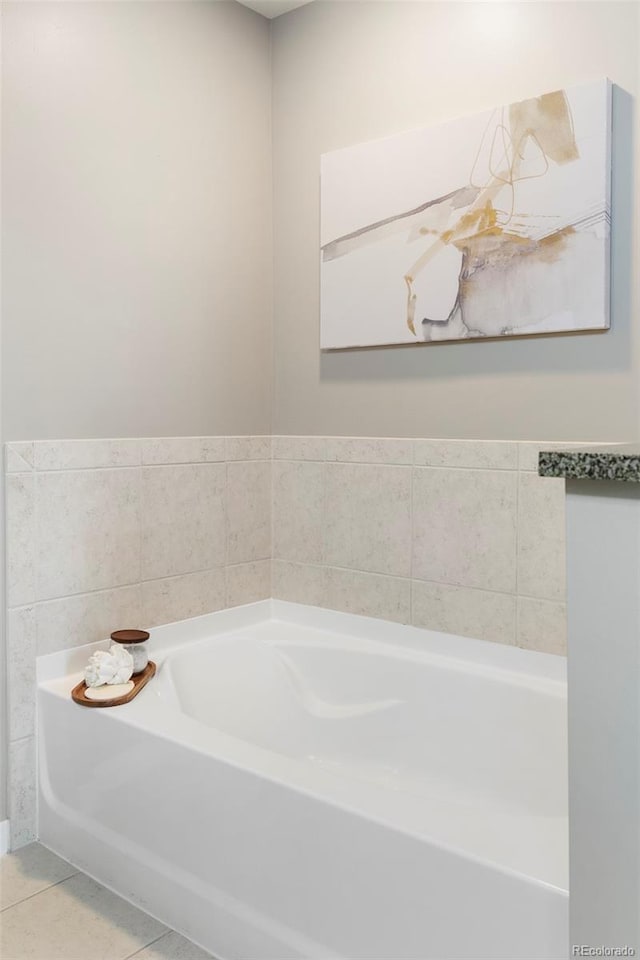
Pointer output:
147, 945
38, 892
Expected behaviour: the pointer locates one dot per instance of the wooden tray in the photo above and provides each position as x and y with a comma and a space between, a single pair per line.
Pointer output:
140, 680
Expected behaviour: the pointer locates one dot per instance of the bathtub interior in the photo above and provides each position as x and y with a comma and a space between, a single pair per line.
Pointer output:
420, 724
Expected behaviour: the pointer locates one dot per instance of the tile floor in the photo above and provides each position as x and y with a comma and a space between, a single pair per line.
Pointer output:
50, 911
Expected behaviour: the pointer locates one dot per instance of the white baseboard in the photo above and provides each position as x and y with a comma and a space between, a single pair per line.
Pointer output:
4, 837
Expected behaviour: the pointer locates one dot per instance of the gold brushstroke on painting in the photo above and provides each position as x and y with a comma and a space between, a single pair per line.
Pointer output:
481, 233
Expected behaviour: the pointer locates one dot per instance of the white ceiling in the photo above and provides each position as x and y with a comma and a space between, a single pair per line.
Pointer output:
273, 8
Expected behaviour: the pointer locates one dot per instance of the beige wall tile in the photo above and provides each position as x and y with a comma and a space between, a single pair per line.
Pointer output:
465, 528
20, 539
248, 448
183, 519
88, 531
474, 454
369, 450
21, 667
541, 537
18, 457
180, 598
468, 613
22, 792
86, 454
368, 518
85, 618
297, 582
160, 450
368, 594
528, 454
248, 582
299, 448
542, 626
248, 510
298, 507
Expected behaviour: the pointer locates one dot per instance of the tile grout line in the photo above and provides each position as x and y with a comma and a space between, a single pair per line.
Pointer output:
227, 526
440, 583
91, 468
394, 463
34, 691
516, 632
323, 542
271, 522
134, 583
141, 609
34, 536
38, 892
412, 530
150, 944
204, 463
77, 873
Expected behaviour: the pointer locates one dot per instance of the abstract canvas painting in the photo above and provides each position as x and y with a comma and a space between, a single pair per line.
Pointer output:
494, 225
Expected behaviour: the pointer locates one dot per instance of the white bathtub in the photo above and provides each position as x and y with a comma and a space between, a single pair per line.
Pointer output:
302, 783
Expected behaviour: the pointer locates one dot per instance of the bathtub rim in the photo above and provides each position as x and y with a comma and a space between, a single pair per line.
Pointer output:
464, 651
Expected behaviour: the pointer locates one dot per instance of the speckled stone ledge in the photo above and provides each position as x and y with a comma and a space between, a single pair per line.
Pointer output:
619, 462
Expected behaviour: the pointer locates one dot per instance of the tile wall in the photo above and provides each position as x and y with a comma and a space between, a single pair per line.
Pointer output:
457, 536
103, 534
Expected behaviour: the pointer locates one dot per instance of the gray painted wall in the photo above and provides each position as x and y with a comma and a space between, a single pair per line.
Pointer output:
137, 219
348, 72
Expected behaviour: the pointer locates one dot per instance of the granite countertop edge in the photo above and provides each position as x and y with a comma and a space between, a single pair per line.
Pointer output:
619, 462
